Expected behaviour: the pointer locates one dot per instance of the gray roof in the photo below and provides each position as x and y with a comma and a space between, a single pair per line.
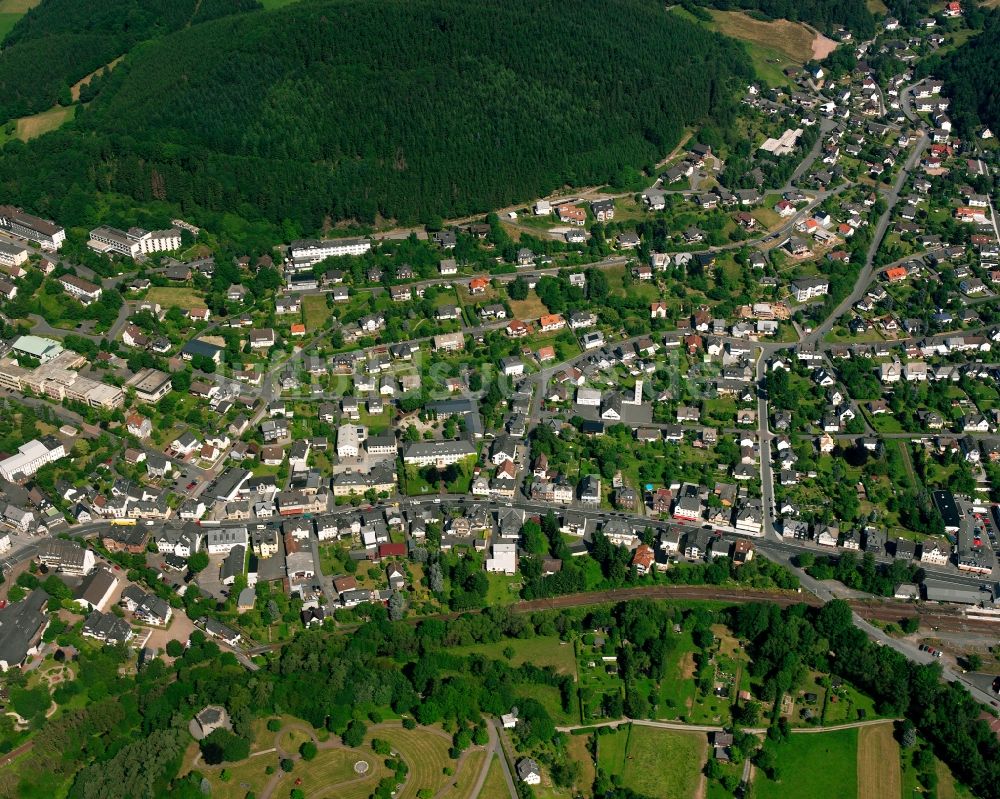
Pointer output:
21, 624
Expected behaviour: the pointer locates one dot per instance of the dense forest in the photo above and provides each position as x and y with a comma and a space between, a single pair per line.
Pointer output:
59, 42
975, 102
354, 109
826, 15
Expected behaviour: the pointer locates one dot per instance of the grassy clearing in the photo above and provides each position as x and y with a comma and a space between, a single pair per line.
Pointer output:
820, 766
541, 652
793, 39
168, 296
664, 762
878, 763
315, 311
37, 124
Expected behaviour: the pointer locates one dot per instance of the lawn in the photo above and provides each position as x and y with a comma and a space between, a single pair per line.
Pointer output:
330, 768
168, 296
495, 786
878, 763
664, 762
315, 311
465, 780
543, 651
425, 753
504, 589
820, 766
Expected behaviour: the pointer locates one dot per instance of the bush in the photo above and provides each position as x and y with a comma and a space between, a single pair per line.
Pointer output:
274, 725
286, 765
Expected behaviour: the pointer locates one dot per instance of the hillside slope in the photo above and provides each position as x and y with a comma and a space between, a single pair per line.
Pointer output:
353, 108
58, 42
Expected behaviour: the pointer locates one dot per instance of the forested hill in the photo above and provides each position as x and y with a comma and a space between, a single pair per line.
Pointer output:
971, 76
61, 41
826, 15
404, 108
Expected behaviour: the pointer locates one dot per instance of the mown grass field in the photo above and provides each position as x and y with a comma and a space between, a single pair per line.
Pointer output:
879, 775
426, 754
817, 765
332, 773
168, 296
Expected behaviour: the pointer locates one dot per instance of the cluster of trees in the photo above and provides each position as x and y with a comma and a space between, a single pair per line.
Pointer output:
477, 108
58, 42
785, 643
865, 574
974, 102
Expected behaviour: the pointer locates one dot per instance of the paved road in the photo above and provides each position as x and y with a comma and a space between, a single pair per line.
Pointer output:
682, 727
865, 277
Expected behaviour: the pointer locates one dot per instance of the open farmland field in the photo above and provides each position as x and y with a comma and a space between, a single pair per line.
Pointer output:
878, 763
817, 765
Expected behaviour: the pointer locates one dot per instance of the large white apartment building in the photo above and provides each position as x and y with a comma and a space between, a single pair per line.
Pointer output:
31, 457
134, 242
80, 289
12, 254
307, 252
32, 228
